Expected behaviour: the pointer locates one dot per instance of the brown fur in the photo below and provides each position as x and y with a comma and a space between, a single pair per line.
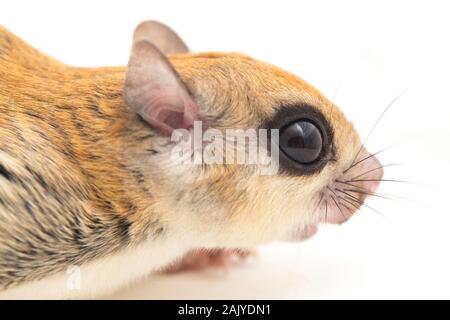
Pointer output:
60, 132
81, 176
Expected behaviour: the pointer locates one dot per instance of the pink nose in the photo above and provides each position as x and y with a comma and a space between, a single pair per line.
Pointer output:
371, 180
372, 186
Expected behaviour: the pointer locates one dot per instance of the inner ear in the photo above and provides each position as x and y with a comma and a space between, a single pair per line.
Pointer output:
154, 90
163, 37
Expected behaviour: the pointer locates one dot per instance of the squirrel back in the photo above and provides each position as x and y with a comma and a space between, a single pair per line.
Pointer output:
66, 194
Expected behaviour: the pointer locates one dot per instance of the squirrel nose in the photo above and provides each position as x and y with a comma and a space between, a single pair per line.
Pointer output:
372, 179
372, 186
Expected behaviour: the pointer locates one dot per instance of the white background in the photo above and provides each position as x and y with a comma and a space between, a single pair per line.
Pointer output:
373, 51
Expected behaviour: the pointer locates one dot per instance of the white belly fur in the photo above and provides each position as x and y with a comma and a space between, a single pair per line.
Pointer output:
102, 276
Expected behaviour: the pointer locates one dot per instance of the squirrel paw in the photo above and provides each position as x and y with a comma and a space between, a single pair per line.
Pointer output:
204, 259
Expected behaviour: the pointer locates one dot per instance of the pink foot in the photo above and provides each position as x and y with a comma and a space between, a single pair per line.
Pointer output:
202, 259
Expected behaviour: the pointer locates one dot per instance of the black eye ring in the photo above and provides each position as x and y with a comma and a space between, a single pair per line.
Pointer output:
302, 141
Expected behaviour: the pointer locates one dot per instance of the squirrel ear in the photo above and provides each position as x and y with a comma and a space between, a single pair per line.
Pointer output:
154, 90
163, 37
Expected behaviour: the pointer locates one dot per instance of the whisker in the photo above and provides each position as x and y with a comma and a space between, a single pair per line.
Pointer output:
348, 194
401, 198
375, 169
375, 125
332, 191
343, 204
363, 204
354, 164
367, 193
379, 193
363, 192
382, 180
349, 184
318, 204
385, 196
340, 210
334, 99
351, 203
336, 202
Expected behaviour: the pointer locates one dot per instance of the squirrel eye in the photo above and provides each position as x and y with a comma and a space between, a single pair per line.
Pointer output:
301, 141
